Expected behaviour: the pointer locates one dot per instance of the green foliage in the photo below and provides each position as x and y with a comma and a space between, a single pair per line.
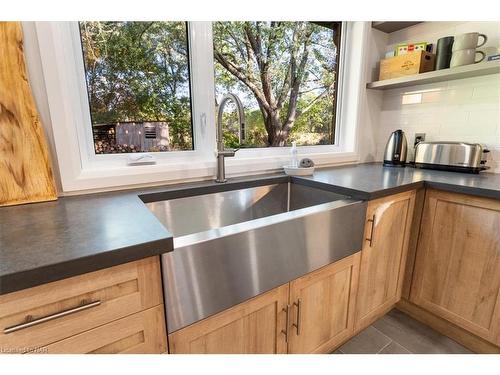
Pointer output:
270, 54
138, 71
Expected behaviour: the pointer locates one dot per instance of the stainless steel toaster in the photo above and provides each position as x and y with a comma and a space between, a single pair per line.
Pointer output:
451, 156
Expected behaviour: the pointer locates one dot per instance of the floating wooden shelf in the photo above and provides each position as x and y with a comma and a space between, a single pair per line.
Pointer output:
391, 26
466, 71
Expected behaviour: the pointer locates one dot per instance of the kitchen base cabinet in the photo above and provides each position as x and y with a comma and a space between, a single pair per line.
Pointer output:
45, 314
322, 307
312, 314
254, 326
383, 256
457, 267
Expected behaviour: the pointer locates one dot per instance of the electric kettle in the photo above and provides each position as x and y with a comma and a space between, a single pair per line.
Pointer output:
396, 150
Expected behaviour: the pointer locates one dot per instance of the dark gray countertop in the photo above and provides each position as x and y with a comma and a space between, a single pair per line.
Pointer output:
44, 242
373, 180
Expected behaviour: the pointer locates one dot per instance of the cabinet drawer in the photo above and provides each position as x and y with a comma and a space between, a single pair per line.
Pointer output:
48, 313
140, 333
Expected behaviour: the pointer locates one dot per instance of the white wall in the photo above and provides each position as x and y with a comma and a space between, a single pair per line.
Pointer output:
460, 110
37, 83
371, 100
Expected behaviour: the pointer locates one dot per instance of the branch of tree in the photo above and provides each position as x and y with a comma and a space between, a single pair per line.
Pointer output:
297, 77
243, 78
313, 89
311, 104
143, 31
285, 88
256, 47
255, 41
244, 55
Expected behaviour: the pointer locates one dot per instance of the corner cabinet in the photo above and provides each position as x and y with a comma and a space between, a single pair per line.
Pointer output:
383, 257
457, 267
312, 314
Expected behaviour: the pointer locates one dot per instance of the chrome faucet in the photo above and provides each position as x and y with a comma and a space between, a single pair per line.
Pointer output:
221, 152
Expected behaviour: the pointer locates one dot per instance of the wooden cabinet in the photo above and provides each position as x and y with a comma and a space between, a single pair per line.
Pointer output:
383, 256
254, 326
312, 314
457, 267
46, 314
322, 307
140, 333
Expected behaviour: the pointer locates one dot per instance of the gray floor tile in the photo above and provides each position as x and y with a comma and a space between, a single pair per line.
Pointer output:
394, 348
368, 341
415, 336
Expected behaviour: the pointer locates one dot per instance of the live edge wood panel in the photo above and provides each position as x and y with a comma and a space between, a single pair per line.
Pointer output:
25, 167
457, 268
122, 290
260, 325
383, 256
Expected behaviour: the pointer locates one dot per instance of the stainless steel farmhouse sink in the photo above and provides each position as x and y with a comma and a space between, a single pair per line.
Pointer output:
232, 245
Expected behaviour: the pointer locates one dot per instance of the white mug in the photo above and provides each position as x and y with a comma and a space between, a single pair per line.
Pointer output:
468, 41
465, 57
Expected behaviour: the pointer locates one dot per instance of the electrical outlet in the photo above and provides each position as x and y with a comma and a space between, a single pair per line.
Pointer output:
419, 137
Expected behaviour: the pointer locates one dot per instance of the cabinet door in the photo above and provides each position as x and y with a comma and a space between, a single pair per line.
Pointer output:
322, 307
254, 326
457, 269
388, 225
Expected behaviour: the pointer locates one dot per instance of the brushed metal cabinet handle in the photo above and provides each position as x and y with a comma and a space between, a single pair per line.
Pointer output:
372, 220
299, 310
83, 306
287, 321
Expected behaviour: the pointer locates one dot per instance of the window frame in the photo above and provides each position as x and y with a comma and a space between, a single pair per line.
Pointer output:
81, 168
82, 51
312, 149
338, 145
85, 134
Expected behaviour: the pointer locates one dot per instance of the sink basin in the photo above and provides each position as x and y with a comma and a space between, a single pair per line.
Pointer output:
194, 214
230, 246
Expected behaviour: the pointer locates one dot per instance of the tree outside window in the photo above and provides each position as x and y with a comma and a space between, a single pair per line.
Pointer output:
138, 85
285, 73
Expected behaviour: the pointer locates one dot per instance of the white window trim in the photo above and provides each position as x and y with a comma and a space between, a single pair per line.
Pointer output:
81, 169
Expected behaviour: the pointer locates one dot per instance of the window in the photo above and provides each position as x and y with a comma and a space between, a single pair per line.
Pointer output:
138, 86
285, 75
181, 113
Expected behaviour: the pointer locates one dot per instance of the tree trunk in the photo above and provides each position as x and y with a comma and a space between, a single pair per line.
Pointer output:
279, 138
276, 135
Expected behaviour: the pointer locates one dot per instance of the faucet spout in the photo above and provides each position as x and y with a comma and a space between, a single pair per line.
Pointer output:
221, 151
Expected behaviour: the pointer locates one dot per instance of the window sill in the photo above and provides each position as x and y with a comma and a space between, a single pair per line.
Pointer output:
113, 178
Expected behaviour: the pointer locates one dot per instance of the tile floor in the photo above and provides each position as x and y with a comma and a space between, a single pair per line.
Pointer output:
397, 333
